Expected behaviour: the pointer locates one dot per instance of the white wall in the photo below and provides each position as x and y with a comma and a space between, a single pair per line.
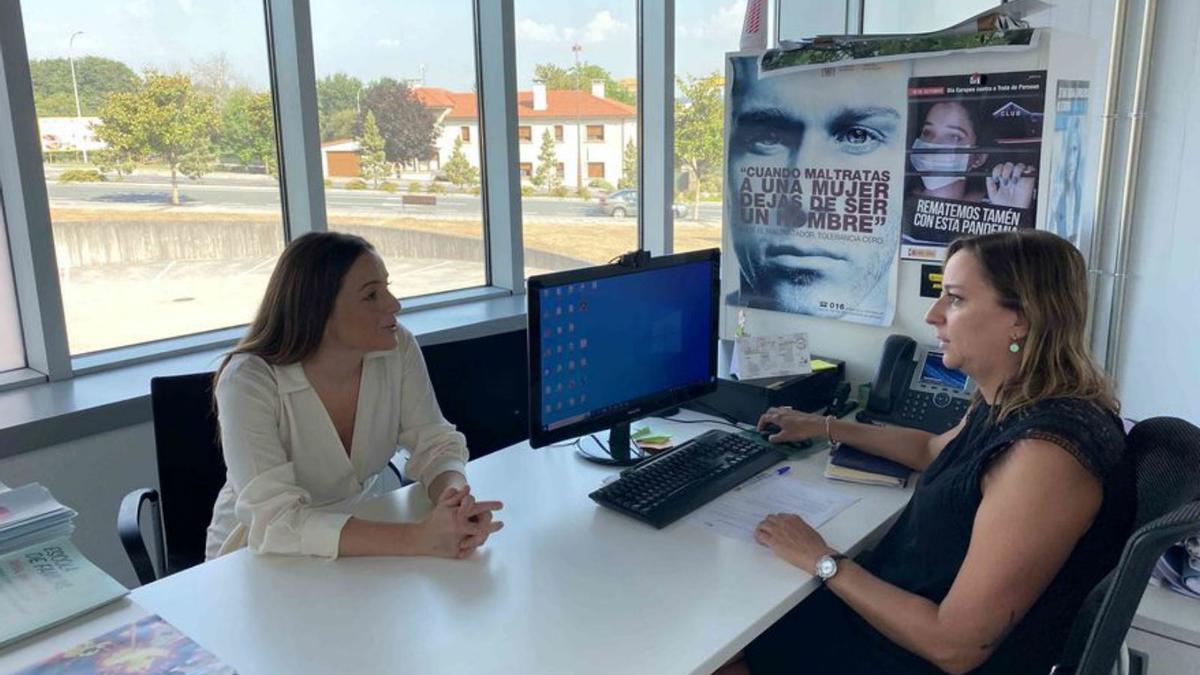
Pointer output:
1159, 353
91, 475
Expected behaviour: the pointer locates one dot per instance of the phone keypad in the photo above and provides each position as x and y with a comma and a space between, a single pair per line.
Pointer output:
933, 412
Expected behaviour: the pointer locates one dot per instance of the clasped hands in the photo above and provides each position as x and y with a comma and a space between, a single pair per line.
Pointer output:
458, 524
786, 533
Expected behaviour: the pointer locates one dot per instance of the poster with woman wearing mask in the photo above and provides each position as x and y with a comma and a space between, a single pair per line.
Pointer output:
974, 149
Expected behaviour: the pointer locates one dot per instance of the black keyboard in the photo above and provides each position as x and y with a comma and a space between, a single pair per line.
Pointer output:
667, 487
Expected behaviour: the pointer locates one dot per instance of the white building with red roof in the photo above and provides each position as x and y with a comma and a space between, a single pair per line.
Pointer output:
589, 130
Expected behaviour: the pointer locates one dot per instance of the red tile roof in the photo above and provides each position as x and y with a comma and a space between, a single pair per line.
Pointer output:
462, 106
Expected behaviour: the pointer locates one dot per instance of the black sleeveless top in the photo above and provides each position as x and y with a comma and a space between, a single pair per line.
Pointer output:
923, 552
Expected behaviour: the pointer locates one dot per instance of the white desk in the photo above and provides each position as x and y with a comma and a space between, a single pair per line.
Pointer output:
565, 587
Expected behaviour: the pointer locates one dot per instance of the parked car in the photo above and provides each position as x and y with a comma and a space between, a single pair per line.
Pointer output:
625, 203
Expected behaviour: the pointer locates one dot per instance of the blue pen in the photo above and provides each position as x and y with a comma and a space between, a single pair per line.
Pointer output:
761, 477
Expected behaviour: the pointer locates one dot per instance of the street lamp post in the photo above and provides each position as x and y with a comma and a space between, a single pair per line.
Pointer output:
75, 86
576, 48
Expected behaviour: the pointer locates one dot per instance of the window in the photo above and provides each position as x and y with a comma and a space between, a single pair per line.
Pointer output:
526, 169
525, 134
396, 104
12, 347
156, 239
699, 124
584, 56
596, 170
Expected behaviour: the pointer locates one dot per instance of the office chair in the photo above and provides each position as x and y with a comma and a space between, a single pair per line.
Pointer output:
1166, 457
191, 471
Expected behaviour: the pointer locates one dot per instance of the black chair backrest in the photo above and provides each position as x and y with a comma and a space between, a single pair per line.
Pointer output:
1166, 458
191, 469
482, 388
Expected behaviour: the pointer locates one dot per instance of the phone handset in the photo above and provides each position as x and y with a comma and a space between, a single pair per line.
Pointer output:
892, 377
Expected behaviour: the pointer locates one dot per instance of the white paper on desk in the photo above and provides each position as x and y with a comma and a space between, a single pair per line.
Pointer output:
771, 356
736, 513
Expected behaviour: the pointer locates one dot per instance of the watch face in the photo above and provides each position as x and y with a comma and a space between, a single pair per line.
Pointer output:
826, 567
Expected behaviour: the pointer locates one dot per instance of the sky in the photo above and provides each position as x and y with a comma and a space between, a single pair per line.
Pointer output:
374, 38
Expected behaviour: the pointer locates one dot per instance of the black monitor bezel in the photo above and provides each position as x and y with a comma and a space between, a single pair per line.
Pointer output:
632, 410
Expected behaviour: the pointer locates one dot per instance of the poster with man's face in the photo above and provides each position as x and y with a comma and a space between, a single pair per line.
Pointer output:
813, 189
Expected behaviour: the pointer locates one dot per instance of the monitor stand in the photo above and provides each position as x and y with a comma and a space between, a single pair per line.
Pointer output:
619, 453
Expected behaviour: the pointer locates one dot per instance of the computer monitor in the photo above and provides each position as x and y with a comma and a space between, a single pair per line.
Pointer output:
615, 343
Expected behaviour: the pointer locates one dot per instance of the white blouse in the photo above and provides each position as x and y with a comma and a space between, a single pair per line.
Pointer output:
290, 485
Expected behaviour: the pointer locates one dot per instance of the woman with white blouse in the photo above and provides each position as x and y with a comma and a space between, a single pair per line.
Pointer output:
312, 404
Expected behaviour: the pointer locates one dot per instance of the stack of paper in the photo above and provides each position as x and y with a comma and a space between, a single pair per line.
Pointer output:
847, 463
29, 515
44, 579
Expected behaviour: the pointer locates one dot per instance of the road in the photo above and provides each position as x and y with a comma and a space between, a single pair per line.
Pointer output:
255, 193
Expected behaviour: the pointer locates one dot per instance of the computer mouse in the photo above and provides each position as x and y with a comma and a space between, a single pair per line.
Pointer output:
769, 430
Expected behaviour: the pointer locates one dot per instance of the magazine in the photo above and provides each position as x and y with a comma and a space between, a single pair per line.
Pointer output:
149, 645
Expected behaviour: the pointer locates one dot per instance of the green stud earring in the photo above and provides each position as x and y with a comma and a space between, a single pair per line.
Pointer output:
1014, 347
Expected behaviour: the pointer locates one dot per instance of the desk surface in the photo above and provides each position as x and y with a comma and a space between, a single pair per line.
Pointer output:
566, 587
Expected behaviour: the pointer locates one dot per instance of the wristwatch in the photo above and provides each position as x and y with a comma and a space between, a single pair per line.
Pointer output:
827, 566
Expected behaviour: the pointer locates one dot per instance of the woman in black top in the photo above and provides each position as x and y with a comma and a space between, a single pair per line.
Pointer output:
1023, 507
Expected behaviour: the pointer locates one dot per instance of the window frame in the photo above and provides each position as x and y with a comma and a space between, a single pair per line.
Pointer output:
464, 132
559, 133
592, 137
525, 133
289, 47
591, 166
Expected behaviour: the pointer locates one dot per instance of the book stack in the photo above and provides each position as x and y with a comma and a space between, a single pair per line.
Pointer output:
44, 579
847, 463
29, 515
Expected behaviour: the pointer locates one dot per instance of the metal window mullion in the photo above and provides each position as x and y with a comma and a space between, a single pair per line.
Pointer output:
854, 16
294, 85
27, 207
656, 125
496, 64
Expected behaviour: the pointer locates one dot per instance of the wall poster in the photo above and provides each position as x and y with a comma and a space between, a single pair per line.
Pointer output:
1068, 154
813, 188
974, 148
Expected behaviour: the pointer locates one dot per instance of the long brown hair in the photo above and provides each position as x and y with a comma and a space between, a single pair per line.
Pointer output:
299, 298
1042, 277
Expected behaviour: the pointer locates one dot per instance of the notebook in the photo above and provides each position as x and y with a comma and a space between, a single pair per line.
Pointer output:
850, 464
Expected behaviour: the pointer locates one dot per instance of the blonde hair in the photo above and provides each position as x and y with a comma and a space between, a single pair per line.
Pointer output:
1042, 277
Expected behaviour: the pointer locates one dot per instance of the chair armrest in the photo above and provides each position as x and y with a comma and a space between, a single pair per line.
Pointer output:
129, 529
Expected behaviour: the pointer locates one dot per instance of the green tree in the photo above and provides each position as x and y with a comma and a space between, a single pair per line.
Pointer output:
458, 169
337, 105
699, 128
165, 120
409, 129
580, 78
248, 129
546, 174
97, 77
628, 167
373, 164
339, 124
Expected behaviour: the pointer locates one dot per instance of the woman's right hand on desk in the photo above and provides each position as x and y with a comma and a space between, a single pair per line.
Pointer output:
794, 425
458, 524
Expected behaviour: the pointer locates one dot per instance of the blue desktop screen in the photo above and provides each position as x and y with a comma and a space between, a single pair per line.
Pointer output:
611, 341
